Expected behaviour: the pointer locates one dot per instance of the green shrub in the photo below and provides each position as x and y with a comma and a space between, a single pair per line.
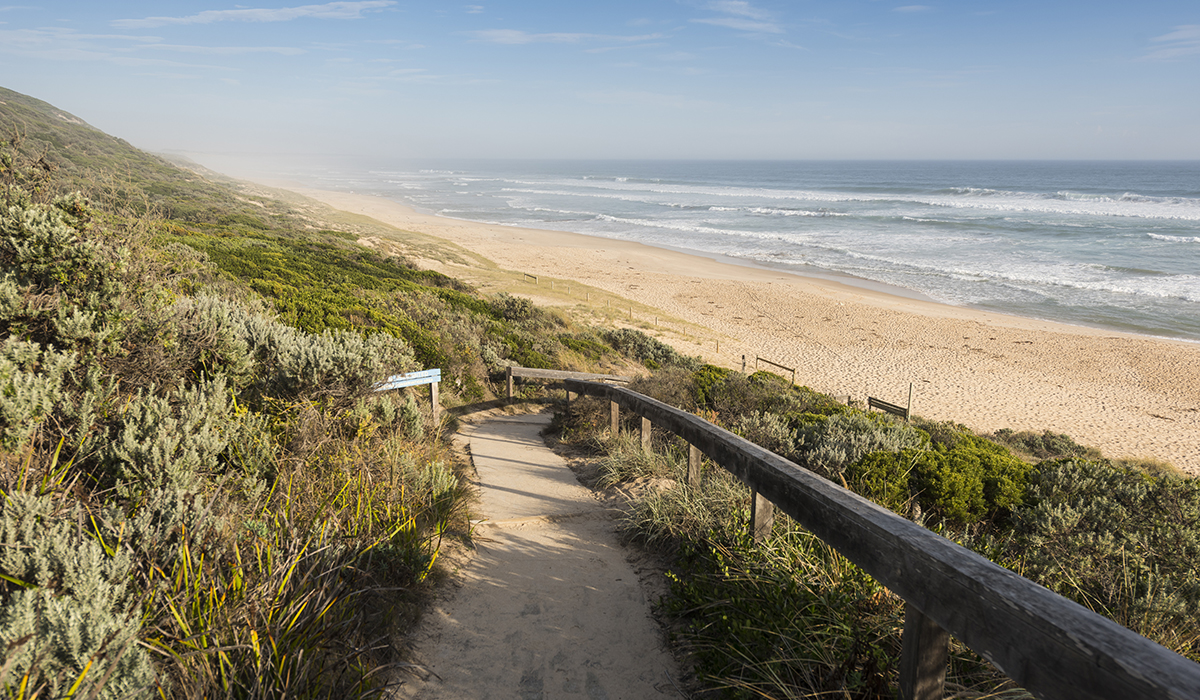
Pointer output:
1045, 445
1119, 541
650, 351
768, 430
963, 480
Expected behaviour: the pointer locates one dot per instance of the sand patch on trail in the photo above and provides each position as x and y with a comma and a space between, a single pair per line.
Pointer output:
549, 606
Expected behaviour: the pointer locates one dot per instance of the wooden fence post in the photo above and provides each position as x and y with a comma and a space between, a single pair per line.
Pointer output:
509, 382
646, 434
433, 400
614, 417
762, 516
693, 475
924, 656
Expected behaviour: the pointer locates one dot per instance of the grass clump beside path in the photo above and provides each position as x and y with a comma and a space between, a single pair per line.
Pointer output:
789, 617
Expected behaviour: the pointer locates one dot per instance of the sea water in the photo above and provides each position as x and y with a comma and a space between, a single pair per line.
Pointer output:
1106, 244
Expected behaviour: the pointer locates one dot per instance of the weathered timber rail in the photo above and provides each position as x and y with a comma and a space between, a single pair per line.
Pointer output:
1049, 645
555, 375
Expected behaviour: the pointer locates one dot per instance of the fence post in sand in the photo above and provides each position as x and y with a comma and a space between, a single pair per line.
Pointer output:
614, 417
693, 474
646, 428
908, 413
509, 381
743, 364
762, 516
924, 657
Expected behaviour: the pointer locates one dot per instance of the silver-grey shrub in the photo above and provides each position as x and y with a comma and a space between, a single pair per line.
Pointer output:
74, 604
831, 445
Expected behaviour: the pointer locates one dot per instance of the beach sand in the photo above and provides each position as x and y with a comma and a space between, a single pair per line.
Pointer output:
1130, 396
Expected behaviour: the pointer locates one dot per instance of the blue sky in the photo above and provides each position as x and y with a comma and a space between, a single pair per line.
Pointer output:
647, 79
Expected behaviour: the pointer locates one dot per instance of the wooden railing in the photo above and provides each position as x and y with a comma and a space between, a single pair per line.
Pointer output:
555, 375
1049, 645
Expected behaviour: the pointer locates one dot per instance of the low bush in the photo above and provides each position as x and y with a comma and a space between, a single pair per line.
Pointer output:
652, 352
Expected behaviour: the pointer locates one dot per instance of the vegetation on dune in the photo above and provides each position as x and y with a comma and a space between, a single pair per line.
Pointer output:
789, 617
201, 495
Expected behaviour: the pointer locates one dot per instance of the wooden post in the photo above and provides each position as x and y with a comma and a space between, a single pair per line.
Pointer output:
614, 417
743, 364
433, 400
509, 382
924, 657
718, 347
908, 413
693, 475
762, 516
646, 426
568, 400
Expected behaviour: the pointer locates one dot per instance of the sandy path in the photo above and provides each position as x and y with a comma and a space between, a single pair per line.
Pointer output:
1128, 395
548, 607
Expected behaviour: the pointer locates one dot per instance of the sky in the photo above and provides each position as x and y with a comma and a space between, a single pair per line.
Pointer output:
693, 79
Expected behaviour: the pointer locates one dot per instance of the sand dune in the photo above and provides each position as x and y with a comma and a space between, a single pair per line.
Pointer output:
1128, 395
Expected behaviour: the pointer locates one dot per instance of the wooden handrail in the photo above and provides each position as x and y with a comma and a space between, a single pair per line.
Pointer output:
1049, 645
532, 373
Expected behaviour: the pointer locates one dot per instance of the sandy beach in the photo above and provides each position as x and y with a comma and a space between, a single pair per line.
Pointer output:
1128, 395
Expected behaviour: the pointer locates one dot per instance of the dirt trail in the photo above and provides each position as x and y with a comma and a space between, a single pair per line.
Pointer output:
548, 607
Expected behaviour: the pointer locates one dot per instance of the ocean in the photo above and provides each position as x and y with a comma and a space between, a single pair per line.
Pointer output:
1113, 245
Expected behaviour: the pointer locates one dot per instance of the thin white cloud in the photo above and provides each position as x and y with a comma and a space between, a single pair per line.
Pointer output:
331, 10
1183, 42
474, 9
516, 37
737, 7
742, 25
227, 50
741, 16
913, 8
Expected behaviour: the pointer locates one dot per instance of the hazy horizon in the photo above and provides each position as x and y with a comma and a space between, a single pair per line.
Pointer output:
668, 80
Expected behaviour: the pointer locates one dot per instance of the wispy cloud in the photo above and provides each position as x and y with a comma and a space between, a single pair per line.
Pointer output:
743, 25
1184, 41
63, 44
518, 37
474, 9
226, 50
331, 10
738, 7
912, 8
741, 16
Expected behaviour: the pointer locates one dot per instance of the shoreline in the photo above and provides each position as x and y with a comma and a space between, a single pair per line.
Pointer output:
1130, 395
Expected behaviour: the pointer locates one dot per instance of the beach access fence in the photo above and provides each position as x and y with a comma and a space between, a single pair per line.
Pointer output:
1049, 645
